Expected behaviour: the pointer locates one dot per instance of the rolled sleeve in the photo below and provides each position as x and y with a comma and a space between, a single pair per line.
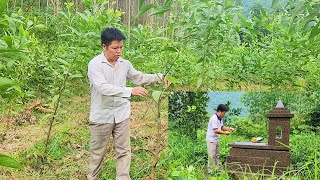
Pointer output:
138, 78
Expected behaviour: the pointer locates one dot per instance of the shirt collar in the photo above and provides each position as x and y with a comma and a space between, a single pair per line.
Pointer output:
104, 59
218, 117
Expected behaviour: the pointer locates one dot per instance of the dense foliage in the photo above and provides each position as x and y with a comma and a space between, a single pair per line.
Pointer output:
187, 112
305, 106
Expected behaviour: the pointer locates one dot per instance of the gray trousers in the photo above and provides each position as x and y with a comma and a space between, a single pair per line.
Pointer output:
213, 155
100, 134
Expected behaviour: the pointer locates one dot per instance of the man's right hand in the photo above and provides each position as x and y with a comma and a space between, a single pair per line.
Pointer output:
139, 91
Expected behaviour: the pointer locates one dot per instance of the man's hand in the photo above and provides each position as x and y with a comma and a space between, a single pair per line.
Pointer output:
139, 91
227, 132
231, 129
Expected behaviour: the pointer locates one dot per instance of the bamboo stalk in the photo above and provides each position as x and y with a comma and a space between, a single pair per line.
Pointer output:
77, 6
14, 5
47, 12
58, 5
129, 23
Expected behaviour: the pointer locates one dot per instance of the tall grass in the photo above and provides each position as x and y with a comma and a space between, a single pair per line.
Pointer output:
188, 158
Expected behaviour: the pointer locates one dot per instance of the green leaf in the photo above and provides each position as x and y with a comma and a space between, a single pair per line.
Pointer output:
145, 9
3, 5
245, 23
199, 82
76, 76
54, 100
157, 38
10, 63
8, 40
189, 108
172, 79
141, 3
276, 3
175, 173
84, 17
9, 162
74, 31
6, 83
311, 18
160, 10
41, 26
315, 31
168, 3
172, 49
308, 26
64, 35
87, 2
156, 95
298, 8
29, 24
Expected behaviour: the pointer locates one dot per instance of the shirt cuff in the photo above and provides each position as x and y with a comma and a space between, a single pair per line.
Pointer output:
127, 92
158, 77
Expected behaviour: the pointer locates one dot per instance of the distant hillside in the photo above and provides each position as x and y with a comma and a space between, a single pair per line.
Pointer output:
223, 97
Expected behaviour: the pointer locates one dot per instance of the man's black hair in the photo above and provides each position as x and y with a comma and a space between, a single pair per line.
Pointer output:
222, 108
110, 34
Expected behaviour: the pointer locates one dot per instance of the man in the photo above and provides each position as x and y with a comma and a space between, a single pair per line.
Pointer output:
215, 128
110, 105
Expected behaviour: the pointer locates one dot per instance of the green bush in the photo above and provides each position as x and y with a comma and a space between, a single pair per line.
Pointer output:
187, 112
248, 129
305, 154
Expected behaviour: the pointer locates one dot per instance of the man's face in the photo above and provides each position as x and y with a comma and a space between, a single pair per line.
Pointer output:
113, 51
221, 114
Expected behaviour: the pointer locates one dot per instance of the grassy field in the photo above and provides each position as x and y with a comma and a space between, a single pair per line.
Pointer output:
67, 156
189, 158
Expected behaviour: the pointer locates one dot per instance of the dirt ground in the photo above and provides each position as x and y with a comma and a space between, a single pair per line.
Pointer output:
18, 135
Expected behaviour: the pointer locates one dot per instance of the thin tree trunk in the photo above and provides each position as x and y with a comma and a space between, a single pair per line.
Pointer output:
77, 6
58, 6
21, 5
129, 22
14, 5
117, 8
47, 9
54, 6
55, 112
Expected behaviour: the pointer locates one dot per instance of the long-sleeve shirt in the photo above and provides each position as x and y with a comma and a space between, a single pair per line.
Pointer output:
109, 94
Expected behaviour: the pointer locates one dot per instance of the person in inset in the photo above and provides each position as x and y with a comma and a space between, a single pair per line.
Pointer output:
215, 128
110, 105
